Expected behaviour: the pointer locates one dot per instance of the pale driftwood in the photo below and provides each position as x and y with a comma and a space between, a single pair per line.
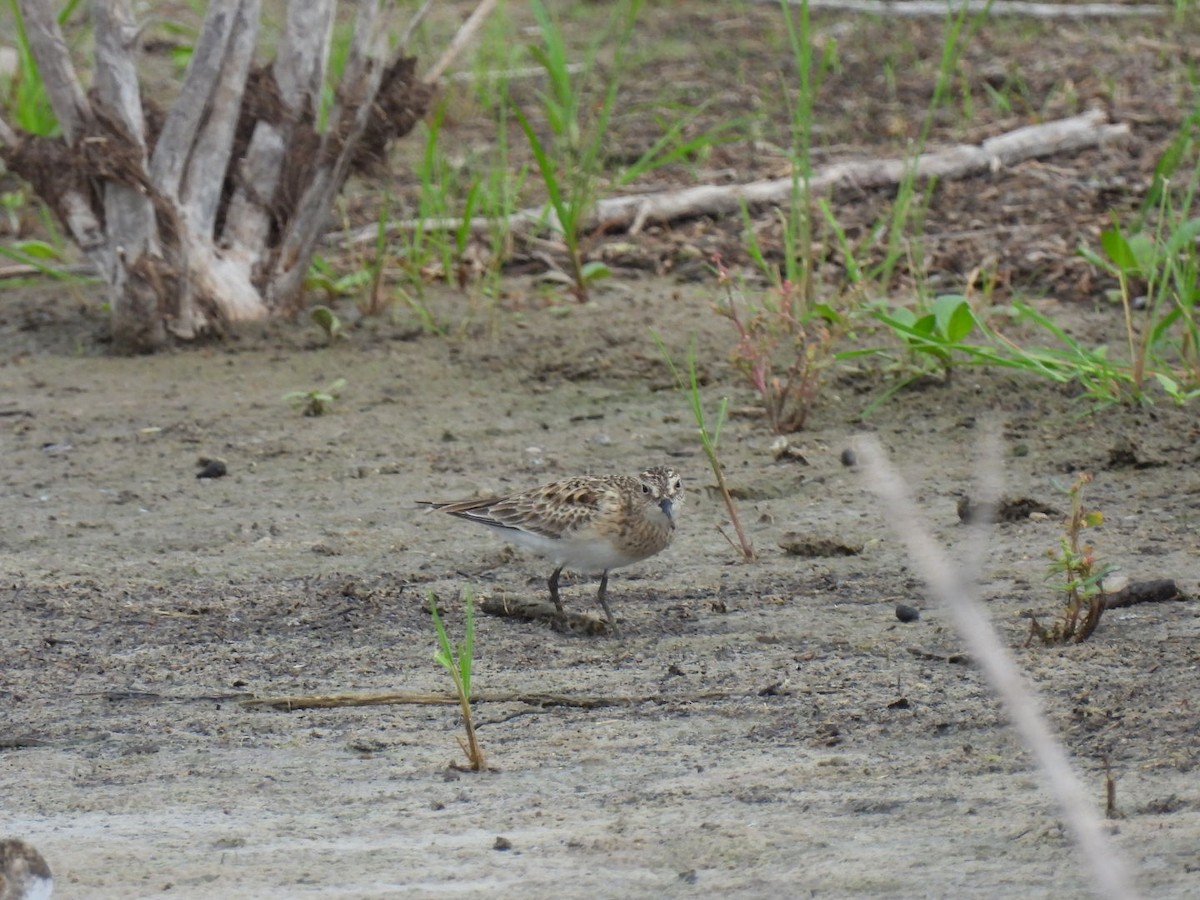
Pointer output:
130, 227
146, 208
63, 88
347, 119
1030, 142
955, 589
934, 8
298, 70
635, 211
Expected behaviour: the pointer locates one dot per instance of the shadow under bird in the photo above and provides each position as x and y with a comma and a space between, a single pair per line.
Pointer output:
588, 524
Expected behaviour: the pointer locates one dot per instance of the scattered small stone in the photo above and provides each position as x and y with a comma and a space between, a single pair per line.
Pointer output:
906, 613
902, 703
849, 457
688, 877
502, 843
211, 468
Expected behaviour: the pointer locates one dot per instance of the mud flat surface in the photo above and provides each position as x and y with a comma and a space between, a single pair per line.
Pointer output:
765, 729
757, 728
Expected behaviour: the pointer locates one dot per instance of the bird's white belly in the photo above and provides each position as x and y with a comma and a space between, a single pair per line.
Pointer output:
579, 554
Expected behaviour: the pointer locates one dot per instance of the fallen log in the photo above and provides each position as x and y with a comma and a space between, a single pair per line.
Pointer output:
634, 212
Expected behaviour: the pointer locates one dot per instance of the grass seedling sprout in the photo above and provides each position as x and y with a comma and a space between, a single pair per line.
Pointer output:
708, 437
458, 661
570, 161
318, 401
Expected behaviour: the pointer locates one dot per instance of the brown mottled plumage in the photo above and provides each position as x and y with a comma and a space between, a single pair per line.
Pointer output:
24, 875
592, 524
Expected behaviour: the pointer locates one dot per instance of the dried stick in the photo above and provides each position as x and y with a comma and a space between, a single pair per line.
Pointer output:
464, 35
954, 591
356, 94
209, 158
186, 116
411, 28
939, 8
298, 71
544, 701
63, 89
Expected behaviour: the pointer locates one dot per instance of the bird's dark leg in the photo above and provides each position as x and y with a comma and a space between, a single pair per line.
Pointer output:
554, 590
602, 596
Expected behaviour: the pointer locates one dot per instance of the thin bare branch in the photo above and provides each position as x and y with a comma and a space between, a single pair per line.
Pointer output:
952, 589
129, 212
174, 148
8, 137
209, 159
63, 88
362, 77
413, 24
461, 39
299, 70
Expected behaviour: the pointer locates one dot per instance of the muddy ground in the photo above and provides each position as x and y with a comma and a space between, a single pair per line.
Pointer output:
757, 729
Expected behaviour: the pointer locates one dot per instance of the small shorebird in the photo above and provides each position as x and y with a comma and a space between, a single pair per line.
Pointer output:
589, 524
24, 875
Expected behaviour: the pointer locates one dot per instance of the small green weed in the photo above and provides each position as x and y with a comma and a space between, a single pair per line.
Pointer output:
570, 161
318, 401
1075, 562
458, 662
782, 350
327, 320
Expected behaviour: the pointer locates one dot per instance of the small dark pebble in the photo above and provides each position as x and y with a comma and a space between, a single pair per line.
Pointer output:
211, 468
849, 457
688, 877
906, 613
502, 843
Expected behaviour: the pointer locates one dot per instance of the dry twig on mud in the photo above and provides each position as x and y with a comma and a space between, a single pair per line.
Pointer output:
542, 701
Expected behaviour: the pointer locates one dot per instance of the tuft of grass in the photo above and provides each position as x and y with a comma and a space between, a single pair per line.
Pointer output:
1081, 573
709, 436
25, 94
458, 660
571, 159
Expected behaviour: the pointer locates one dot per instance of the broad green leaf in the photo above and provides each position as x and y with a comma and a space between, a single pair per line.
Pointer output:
1118, 249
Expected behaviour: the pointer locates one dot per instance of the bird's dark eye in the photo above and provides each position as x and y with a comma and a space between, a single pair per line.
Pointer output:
645, 488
